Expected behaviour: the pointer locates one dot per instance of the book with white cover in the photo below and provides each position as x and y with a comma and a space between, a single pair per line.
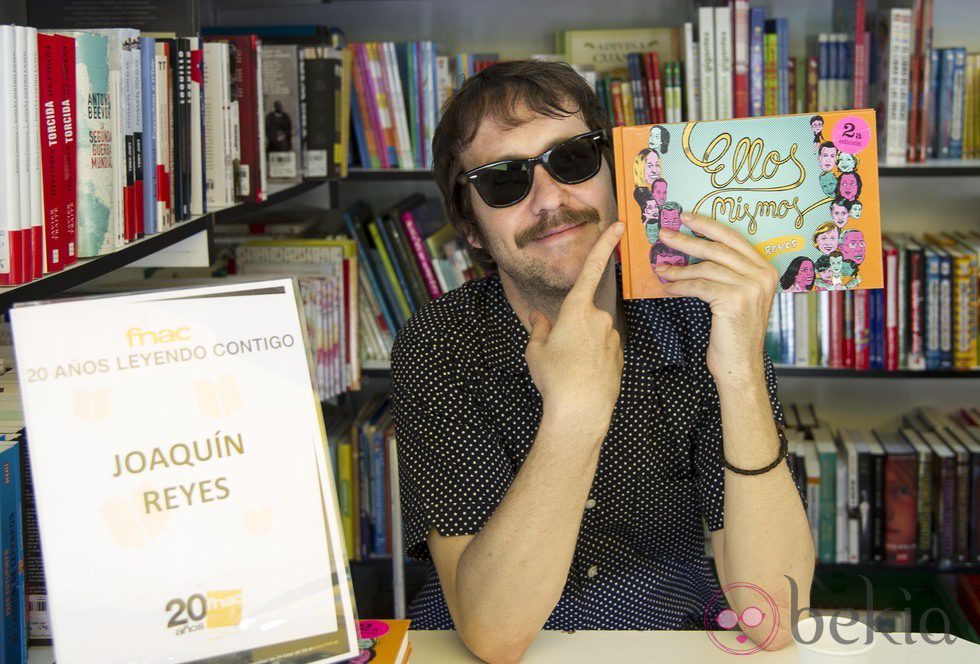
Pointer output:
183, 516
706, 62
9, 187
723, 63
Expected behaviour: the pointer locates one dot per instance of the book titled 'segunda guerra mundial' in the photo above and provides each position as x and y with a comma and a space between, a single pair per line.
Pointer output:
802, 189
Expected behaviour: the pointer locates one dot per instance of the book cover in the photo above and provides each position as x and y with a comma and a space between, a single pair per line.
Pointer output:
55, 119
14, 595
605, 51
280, 89
319, 92
384, 641
900, 499
802, 189
924, 480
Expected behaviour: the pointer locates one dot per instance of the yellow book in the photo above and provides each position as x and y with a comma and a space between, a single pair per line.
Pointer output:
964, 300
343, 111
345, 492
626, 93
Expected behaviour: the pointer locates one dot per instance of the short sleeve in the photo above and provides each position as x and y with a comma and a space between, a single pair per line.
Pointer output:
452, 470
709, 473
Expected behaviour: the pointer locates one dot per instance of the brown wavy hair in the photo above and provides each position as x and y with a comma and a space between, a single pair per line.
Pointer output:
506, 92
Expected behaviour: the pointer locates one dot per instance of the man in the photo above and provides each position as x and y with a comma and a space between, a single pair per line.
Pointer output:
559, 446
852, 246
827, 157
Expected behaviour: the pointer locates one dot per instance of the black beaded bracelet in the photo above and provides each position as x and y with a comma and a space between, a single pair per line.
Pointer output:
783, 445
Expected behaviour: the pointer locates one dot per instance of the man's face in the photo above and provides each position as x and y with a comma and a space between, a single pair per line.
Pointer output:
670, 219
848, 186
853, 247
651, 167
660, 192
514, 236
836, 265
828, 159
827, 242
839, 214
856, 210
655, 138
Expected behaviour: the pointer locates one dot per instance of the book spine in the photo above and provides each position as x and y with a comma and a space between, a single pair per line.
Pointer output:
399, 292
14, 592
859, 59
847, 356
658, 88
787, 327
53, 172
636, 88
944, 121
421, 256
962, 509
619, 116
827, 512
723, 63
812, 104
901, 476
916, 67
136, 119
69, 133
195, 89
692, 69
782, 42
866, 502
945, 312
964, 311
756, 62
706, 62
929, 119
932, 303
956, 113
148, 133
379, 497
853, 505
771, 48
35, 269
945, 529
836, 329
401, 251
841, 509
380, 99
823, 81
973, 515
891, 309
862, 331
897, 122
649, 89
740, 22
916, 309
924, 505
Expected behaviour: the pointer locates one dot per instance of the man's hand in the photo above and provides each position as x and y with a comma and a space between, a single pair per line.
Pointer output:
577, 362
737, 282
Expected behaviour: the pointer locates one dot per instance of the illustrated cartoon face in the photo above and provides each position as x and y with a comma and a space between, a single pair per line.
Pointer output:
670, 219
857, 209
817, 126
655, 139
848, 186
827, 242
828, 183
804, 278
827, 158
839, 214
678, 260
846, 162
826, 274
651, 212
837, 265
660, 192
853, 247
651, 167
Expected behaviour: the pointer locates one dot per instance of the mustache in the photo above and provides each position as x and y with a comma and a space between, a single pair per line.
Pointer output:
562, 217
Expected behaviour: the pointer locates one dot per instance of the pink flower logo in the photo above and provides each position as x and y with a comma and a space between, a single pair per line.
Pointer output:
752, 616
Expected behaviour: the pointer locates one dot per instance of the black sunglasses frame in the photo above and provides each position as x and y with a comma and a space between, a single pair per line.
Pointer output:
599, 136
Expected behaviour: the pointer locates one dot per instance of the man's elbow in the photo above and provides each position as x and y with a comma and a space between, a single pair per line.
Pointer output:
495, 647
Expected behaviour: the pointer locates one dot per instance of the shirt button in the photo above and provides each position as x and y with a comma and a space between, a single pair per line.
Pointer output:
589, 504
592, 571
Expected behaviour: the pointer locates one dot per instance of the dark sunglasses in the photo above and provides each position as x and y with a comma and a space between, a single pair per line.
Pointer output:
505, 183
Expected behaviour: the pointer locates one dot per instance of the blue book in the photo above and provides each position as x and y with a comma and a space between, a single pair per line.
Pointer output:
931, 300
362, 149
847, 72
364, 490
782, 67
434, 100
12, 536
931, 94
947, 63
757, 65
149, 124
379, 498
405, 74
371, 263
945, 309
876, 316
957, 109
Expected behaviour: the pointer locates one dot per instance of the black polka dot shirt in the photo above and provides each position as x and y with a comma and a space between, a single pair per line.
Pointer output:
467, 412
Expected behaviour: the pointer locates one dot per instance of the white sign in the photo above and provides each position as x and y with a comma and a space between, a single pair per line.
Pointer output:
185, 497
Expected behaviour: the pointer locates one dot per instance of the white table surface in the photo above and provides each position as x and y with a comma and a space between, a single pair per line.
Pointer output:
592, 647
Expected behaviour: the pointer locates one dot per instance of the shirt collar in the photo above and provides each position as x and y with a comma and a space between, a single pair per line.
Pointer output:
650, 346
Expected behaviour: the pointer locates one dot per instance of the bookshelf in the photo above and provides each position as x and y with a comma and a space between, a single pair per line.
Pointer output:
86, 270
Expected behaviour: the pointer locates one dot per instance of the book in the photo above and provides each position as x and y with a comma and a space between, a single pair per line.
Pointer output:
808, 182
280, 91
14, 622
606, 50
900, 499
384, 641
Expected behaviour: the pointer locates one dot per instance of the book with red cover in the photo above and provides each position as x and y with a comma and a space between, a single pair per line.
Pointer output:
862, 331
658, 88
837, 329
915, 311
901, 488
246, 88
50, 80
412, 220
649, 87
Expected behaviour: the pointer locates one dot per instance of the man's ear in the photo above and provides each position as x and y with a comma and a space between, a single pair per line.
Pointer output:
473, 240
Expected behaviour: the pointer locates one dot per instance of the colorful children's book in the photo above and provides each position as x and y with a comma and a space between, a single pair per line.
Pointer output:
803, 189
383, 642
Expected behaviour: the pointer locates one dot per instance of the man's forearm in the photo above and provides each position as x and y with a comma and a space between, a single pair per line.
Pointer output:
767, 535
511, 576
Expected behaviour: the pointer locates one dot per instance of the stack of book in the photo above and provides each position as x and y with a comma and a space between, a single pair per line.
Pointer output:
903, 496
925, 318
734, 61
409, 255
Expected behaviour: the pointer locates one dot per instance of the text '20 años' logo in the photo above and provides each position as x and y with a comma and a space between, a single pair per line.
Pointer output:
216, 608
